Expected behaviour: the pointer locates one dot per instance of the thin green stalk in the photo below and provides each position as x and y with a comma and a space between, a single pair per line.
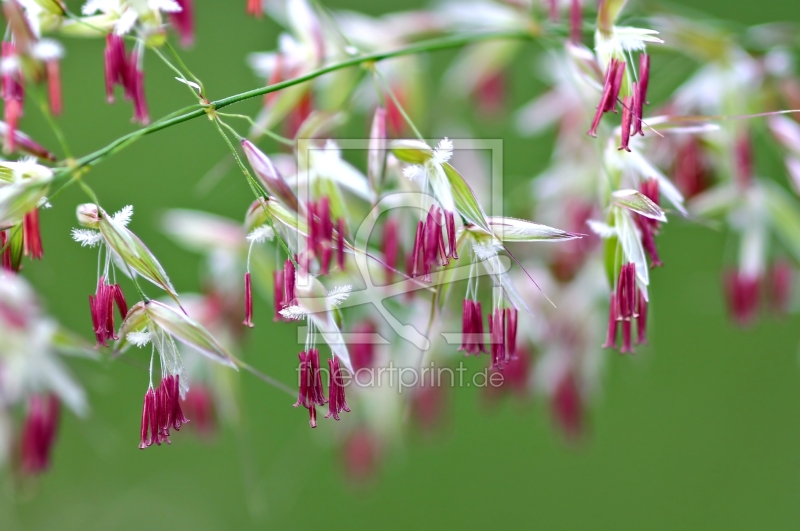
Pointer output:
181, 75
274, 136
421, 47
44, 107
177, 57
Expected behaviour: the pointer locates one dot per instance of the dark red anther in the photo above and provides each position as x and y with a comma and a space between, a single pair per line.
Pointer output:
248, 301
624, 306
310, 392
340, 229
313, 225
641, 320
178, 419
510, 315
644, 77
429, 243
149, 429
102, 309
619, 74
636, 109
163, 413
431, 238
116, 66
452, 243
627, 103
277, 290
472, 328
611, 88
336, 399
119, 300
321, 235
288, 283
498, 338
626, 291
323, 245
503, 335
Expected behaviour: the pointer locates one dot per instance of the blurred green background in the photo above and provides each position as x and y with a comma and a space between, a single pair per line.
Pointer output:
700, 431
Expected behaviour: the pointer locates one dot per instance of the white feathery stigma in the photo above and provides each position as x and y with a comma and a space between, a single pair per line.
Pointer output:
338, 294
261, 234
443, 151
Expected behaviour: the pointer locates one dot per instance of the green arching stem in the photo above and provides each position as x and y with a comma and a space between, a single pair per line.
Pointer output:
201, 110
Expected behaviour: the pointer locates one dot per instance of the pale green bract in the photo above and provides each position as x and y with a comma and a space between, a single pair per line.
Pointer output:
157, 315
639, 203
134, 253
520, 230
